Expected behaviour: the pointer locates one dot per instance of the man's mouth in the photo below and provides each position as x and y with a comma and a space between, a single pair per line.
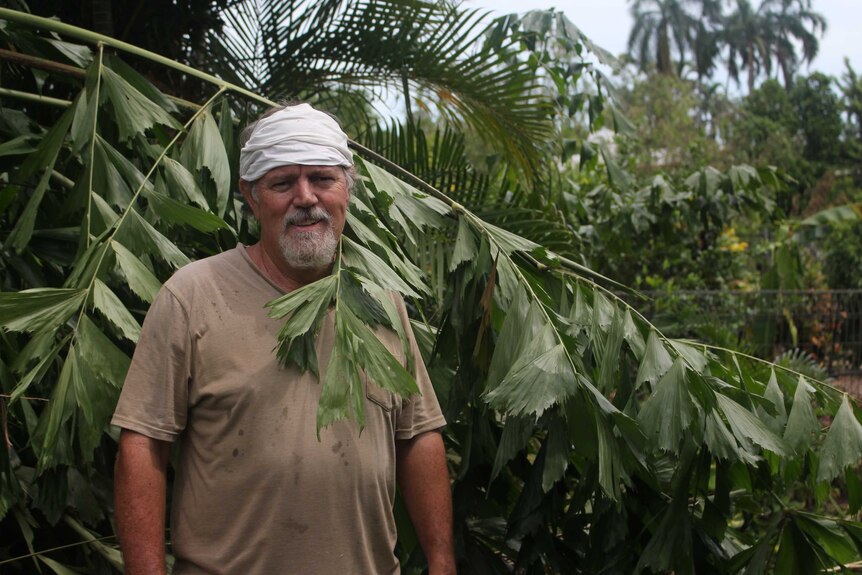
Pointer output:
306, 223
306, 218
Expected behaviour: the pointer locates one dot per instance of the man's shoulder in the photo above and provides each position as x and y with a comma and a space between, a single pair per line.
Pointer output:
192, 276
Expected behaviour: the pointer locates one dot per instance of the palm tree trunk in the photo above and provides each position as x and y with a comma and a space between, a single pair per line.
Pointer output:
749, 61
663, 53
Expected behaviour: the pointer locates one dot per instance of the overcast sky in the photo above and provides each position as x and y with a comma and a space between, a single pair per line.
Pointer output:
608, 22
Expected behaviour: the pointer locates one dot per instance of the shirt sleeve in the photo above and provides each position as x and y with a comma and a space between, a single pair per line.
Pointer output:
419, 413
154, 399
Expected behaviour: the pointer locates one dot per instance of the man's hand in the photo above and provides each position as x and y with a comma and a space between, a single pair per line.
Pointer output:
424, 482
139, 502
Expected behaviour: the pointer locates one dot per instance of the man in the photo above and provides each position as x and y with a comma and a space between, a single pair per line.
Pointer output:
254, 490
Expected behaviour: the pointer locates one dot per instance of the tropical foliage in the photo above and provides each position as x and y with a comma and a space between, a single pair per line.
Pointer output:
760, 39
581, 439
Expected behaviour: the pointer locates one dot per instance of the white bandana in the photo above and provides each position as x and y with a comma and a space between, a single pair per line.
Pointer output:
296, 135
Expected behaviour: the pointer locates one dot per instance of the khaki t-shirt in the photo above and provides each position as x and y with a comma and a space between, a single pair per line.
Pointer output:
255, 492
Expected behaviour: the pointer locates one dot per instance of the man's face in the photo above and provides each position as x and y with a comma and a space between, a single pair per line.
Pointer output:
301, 210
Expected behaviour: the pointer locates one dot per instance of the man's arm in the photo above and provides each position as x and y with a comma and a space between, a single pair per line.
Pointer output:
140, 486
424, 482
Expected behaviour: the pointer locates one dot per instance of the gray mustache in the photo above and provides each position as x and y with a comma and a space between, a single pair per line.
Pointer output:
304, 215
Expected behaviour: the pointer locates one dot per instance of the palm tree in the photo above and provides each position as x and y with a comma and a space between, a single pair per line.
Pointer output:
747, 35
344, 55
661, 26
570, 415
793, 24
703, 39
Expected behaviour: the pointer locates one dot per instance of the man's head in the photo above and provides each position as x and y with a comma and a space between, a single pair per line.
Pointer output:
296, 172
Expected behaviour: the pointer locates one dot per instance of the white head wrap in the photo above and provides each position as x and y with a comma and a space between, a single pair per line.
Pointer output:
295, 135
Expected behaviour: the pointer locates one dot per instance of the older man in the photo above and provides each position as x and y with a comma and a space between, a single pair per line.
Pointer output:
254, 490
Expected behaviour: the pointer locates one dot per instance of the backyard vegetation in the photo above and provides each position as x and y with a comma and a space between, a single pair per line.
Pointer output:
518, 204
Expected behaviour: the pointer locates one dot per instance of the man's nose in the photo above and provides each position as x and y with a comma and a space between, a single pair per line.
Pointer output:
304, 194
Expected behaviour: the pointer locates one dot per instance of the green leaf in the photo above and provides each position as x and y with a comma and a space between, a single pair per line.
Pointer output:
420, 210
517, 431
39, 309
39, 370
342, 392
103, 357
140, 83
420, 214
829, 535
777, 422
115, 177
557, 455
633, 337
670, 547
356, 345
545, 381
506, 241
133, 112
180, 181
745, 424
843, 445
795, 556
466, 249
104, 211
139, 277
95, 397
140, 235
355, 292
722, 443
204, 148
377, 361
86, 107
17, 146
521, 325
802, 425
115, 312
610, 360
612, 472
369, 265
50, 446
303, 307
616, 175
696, 358
175, 212
656, 360
669, 411
45, 156
21, 233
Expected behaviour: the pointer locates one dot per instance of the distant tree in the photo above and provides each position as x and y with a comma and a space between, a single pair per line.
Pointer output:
851, 90
746, 34
793, 23
661, 26
703, 39
818, 113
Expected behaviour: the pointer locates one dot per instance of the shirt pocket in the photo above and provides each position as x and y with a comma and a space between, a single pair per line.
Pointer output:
376, 394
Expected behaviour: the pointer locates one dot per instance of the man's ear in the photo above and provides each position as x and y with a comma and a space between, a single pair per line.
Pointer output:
248, 194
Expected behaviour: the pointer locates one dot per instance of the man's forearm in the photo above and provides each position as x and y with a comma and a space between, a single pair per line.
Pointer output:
139, 502
424, 481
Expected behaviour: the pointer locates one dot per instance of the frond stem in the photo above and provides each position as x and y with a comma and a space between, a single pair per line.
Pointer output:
95, 38
130, 208
95, 101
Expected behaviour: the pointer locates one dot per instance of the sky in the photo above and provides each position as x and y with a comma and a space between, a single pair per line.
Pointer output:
608, 22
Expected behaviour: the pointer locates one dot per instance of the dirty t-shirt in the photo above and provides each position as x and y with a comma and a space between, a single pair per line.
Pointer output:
254, 491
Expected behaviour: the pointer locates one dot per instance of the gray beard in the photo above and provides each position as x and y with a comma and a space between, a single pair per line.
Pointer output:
312, 249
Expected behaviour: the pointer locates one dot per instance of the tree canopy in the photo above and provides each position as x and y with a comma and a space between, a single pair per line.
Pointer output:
581, 438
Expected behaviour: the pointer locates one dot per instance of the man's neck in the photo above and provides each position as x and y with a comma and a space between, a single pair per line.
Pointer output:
284, 277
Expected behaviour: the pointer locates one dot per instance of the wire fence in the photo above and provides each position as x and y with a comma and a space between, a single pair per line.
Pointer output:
824, 323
